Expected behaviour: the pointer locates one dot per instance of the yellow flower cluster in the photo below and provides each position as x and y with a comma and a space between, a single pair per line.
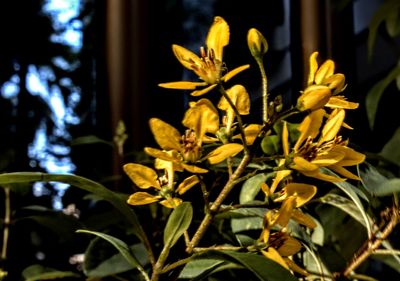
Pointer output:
216, 134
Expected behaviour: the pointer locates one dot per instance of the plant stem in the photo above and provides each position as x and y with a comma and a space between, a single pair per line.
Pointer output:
7, 221
237, 115
220, 248
157, 268
176, 264
217, 203
264, 89
364, 254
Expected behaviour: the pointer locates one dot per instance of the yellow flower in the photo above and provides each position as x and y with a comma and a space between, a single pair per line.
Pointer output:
323, 87
317, 148
280, 244
240, 99
209, 67
201, 118
145, 178
256, 42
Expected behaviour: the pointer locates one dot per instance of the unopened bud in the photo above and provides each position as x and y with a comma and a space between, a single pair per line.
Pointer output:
257, 43
313, 98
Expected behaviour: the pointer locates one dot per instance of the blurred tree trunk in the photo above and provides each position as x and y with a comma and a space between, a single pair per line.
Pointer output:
326, 27
125, 65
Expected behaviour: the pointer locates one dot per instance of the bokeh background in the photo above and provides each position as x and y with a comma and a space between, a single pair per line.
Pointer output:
71, 70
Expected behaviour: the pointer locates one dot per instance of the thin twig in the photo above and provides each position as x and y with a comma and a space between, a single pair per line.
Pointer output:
7, 221
365, 253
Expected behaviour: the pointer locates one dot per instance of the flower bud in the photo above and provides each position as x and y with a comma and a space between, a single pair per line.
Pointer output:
257, 43
314, 97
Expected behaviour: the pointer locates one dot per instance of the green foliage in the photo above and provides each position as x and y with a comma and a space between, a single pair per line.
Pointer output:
178, 223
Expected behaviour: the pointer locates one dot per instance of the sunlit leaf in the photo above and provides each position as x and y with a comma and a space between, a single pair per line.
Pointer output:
251, 188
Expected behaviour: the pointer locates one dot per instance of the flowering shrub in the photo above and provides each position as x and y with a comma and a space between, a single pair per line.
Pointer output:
280, 199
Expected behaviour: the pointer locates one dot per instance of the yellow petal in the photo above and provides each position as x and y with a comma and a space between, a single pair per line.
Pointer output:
289, 247
310, 126
273, 254
313, 98
344, 172
218, 37
202, 117
182, 85
235, 72
294, 267
166, 136
203, 91
328, 158
256, 42
351, 158
313, 68
250, 133
280, 175
223, 152
187, 184
303, 219
301, 191
302, 165
324, 71
265, 189
239, 97
321, 176
187, 58
171, 202
144, 177
142, 198
265, 235
332, 125
194, 169
285, 211
340, 102
335, 82
285, 139
171, 156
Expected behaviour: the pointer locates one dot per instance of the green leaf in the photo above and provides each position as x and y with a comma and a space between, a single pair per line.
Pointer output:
375, 94
380, 15
388, 260
271, 144
121, 246
63, 226
178, 222
7, 179
354, 193
113, 265
200, 267
90, 139
251, 188
393, 23
38, 272
378, 184
262, 268
391, 149
253, 219
344, 204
